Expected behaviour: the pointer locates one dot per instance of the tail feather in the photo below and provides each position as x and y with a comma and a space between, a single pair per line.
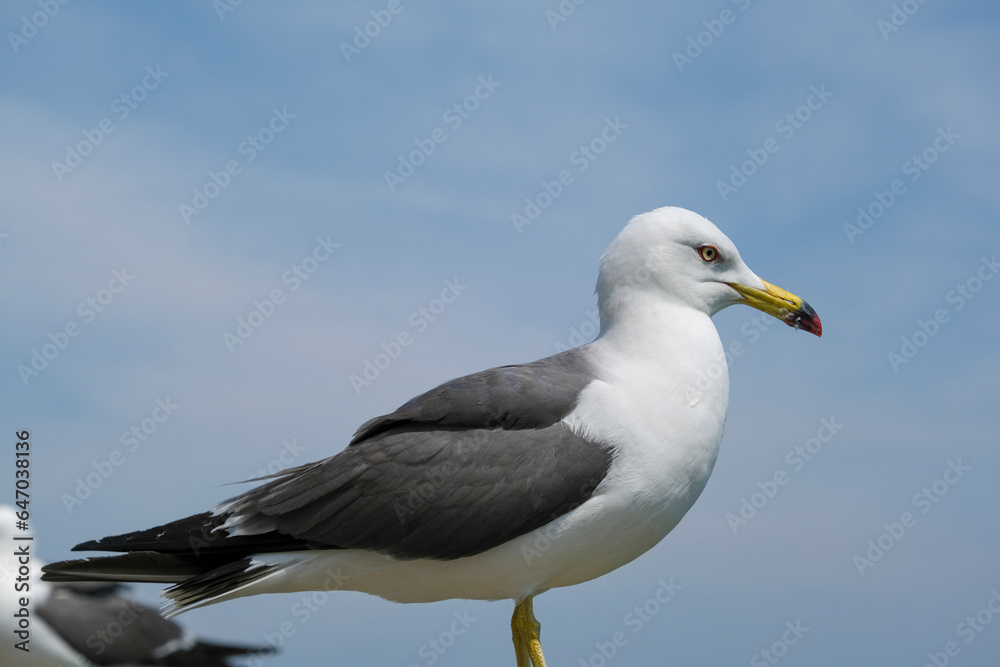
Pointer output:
193, 536
198, 555
221, 583
135, 567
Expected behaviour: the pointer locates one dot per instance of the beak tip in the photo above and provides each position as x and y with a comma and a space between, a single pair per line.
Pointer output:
805, 318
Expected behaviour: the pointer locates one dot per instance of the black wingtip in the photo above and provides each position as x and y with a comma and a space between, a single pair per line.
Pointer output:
137, 566
223, 651
230, 651
92, 545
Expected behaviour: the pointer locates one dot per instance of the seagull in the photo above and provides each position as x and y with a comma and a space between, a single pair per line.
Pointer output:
88, 623
600, 450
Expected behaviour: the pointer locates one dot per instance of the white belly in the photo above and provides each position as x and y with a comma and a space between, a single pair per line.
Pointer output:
601, 535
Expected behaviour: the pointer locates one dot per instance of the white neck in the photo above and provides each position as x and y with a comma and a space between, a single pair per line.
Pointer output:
670, 339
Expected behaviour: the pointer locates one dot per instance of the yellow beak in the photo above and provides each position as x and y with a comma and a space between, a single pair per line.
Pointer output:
787, 307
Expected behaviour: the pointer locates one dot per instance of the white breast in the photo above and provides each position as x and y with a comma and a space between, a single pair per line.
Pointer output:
663, 411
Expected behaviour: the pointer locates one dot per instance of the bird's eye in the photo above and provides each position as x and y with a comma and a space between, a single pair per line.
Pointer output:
709, 253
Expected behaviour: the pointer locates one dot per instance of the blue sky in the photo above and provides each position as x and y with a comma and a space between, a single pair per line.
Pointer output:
777, 122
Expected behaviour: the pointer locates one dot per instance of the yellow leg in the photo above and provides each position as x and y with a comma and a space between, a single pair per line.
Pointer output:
527, 643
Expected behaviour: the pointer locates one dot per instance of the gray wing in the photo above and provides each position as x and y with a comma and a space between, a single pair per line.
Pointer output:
83, 622
525, 396
111, 630
454, 472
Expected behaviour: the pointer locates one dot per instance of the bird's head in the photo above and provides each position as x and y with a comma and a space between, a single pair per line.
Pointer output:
676, 254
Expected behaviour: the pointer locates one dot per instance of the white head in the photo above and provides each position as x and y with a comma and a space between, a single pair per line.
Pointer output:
673, 254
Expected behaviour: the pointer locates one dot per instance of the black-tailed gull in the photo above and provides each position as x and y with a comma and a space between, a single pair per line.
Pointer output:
601, 449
